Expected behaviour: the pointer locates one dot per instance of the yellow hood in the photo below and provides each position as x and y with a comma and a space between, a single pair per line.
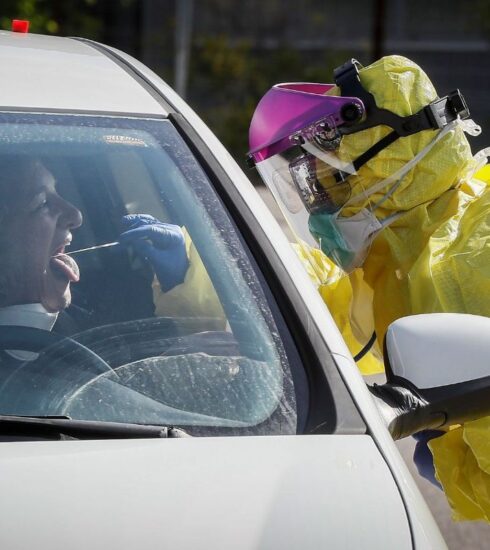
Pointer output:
402, 87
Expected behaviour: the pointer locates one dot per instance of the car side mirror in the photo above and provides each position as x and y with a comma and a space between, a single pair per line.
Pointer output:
437, 371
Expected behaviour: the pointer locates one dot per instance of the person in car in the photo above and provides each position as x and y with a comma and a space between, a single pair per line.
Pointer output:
377, 180
37, 225
36, 273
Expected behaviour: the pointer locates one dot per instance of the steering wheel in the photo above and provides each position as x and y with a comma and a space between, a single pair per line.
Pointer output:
42, 386
69, 374
52, 344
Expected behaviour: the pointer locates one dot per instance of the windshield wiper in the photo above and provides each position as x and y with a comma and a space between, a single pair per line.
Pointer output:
55, 427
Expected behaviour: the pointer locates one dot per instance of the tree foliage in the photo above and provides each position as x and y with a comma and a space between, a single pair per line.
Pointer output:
228, 79
67, 17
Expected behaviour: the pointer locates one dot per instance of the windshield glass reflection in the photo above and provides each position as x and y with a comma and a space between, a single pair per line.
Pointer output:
168, 324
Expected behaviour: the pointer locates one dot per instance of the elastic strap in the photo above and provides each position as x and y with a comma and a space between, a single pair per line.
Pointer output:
368, 155
375, 149
397, 176
366, 348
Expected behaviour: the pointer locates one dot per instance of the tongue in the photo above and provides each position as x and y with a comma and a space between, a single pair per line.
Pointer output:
65, 265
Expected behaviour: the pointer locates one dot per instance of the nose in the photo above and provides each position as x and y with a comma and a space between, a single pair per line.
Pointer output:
70, 217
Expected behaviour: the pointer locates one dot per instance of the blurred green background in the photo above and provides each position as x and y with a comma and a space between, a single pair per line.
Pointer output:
223, 55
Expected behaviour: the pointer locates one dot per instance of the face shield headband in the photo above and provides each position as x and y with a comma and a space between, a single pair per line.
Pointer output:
290, 114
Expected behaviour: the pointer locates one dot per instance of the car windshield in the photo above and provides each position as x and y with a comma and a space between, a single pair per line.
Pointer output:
168, 324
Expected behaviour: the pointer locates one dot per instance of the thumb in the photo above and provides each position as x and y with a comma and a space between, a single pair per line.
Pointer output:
143, 248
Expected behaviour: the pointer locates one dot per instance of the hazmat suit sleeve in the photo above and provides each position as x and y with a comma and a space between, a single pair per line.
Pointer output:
461, 460
349, 300
462, 455
195, 297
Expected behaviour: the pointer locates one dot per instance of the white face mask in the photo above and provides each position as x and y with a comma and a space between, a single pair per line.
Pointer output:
347, 240
358, 232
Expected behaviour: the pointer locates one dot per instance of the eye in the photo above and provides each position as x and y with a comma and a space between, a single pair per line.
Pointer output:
41, 205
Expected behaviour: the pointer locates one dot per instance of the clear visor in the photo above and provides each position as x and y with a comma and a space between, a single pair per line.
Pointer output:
327, 204
307, 180
313, 186
310, 177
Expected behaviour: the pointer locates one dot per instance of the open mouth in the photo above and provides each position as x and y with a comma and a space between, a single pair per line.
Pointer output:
64, 266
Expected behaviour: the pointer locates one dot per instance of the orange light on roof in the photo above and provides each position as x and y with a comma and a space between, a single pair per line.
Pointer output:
20, 25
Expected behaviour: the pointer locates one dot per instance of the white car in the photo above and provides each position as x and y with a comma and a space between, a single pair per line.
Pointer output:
277, 440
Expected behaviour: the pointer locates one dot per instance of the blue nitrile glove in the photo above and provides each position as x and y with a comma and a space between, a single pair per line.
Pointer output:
422, 456
161, 244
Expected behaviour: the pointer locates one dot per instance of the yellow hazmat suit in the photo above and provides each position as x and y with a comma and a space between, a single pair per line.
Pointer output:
195, 297
433, 258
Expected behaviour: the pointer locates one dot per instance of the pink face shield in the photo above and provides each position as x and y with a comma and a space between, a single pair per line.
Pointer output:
289, 112
296, 131
294, 140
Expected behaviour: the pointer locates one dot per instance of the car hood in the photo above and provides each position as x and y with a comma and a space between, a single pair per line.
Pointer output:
241, 493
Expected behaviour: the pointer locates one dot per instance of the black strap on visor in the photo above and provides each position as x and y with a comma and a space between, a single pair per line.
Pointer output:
434, 116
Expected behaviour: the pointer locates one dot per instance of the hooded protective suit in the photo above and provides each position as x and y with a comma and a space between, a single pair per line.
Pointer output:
434, 257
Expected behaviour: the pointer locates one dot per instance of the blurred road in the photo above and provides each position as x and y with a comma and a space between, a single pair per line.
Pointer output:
458, 535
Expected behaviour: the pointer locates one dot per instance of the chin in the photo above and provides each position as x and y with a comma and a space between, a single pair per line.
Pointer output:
54, 304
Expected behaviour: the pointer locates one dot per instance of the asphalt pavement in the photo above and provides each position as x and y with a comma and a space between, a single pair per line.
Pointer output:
458, 535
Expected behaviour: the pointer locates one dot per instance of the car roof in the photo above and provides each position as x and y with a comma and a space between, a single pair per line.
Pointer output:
53, 73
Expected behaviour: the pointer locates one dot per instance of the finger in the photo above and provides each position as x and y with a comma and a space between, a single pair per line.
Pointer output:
131, 221
143, 232
161, 236
144, 249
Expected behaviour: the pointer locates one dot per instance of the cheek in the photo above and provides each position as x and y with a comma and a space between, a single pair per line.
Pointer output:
31, 243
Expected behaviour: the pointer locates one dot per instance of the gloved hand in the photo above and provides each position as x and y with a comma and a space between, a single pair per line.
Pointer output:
161, 244
422, 456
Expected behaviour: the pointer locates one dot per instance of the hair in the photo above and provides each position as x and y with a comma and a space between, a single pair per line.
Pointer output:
15, 171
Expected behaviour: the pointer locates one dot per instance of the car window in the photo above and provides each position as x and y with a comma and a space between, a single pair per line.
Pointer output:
134, 331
